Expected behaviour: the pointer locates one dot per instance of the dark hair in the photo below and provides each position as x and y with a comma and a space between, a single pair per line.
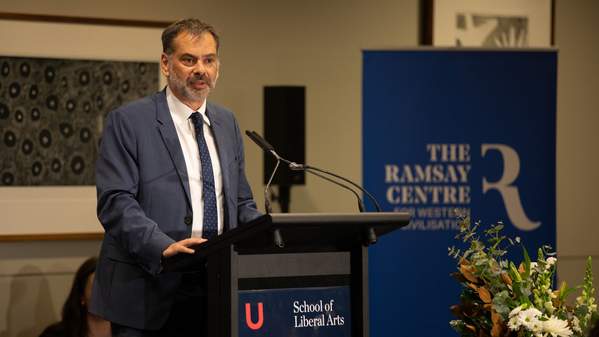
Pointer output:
74, 312
193, 27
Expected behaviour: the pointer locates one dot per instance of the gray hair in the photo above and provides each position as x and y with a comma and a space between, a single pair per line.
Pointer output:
193, 27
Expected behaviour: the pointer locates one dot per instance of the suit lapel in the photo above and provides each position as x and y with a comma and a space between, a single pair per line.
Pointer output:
166, 127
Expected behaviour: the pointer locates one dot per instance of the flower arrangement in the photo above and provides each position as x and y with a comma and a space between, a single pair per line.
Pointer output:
500, 299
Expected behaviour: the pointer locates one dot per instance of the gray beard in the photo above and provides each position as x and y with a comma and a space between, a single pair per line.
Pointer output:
180, 86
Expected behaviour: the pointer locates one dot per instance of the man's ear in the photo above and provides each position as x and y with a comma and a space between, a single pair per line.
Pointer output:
217, 71
164, 64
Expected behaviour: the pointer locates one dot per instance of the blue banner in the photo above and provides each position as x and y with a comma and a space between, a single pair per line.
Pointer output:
449, 132
299, 312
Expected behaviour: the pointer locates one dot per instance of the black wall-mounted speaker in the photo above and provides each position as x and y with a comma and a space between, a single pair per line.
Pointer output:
285, 129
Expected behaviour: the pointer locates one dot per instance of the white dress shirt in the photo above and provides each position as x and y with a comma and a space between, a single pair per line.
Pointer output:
185, 131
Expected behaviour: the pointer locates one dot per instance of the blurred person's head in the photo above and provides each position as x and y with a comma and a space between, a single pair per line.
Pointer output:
74, 311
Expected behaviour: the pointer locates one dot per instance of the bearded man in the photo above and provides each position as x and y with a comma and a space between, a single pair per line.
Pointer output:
169, 176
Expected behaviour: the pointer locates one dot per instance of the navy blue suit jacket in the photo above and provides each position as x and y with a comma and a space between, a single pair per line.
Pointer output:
144, 206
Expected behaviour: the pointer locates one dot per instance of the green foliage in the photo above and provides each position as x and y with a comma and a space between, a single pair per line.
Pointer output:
496, 290
586, 308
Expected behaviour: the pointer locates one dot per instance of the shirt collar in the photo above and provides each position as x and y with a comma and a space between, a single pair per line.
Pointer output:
181, 112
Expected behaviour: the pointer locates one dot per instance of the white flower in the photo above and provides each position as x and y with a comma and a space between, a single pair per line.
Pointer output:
513, 324
550, 262
515, 311
528, 318
454, 323
576, 325
556, 327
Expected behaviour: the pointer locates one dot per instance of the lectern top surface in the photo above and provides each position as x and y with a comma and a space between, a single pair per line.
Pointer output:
373, 217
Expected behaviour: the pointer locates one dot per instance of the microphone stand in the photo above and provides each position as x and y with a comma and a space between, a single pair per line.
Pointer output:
277, 237
371, 237
370, 234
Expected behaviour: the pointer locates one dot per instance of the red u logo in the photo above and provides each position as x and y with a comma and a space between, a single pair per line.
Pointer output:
248, 316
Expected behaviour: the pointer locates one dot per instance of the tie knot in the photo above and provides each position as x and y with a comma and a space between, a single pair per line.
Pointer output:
197, 120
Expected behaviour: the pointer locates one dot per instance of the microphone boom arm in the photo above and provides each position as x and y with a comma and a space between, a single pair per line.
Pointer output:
360, 203
307, 168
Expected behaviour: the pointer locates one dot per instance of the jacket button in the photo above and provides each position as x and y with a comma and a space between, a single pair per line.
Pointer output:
188, 220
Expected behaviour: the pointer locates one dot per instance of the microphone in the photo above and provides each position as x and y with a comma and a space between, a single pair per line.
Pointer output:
265, 146
262, 143
370, 236
310, 169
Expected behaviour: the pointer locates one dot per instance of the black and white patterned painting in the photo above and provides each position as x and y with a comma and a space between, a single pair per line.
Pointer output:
52, 113
482, 30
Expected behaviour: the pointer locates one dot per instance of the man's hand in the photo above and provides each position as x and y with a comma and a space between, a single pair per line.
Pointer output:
182, 247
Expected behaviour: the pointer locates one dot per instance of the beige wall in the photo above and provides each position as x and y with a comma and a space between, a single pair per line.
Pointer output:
576, 27
35, 278
318, 44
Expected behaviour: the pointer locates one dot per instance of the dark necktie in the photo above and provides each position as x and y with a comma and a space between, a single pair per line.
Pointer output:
210, 221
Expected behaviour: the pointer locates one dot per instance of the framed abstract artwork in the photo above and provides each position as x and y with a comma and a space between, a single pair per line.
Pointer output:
488, 23
59, 78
